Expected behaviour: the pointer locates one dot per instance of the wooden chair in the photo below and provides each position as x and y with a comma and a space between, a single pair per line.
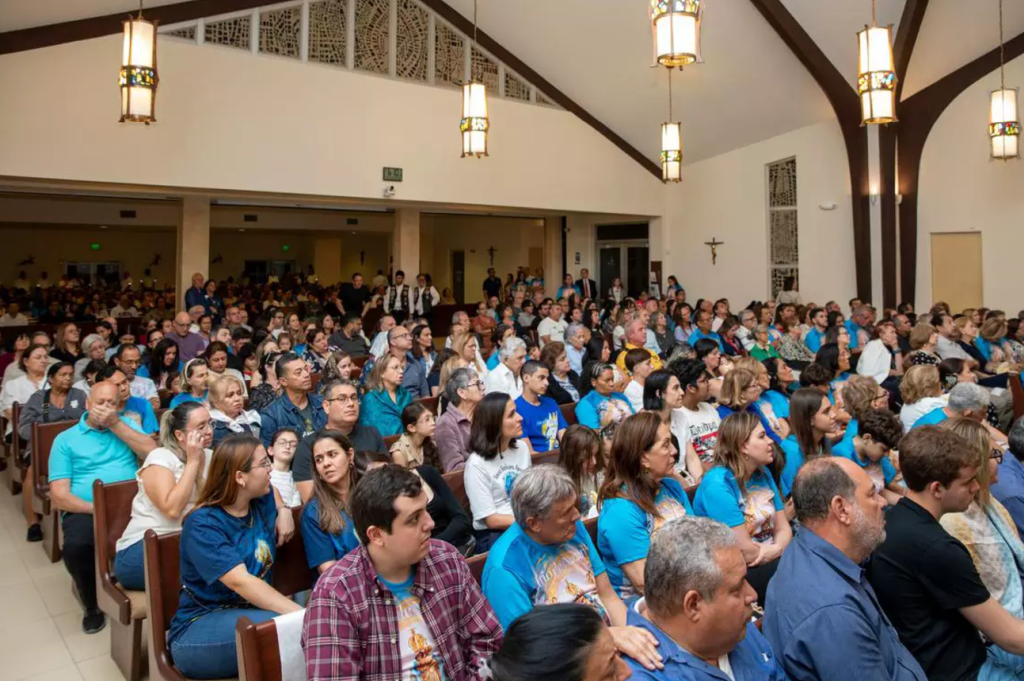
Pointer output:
1017, 392
569, 413
430, 403
43, 436
112, 509
163, 587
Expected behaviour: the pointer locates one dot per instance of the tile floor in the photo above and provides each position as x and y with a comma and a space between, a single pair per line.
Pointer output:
41, 635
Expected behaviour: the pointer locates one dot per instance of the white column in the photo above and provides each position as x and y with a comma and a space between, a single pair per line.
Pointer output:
193, 243
554, 264
407, 242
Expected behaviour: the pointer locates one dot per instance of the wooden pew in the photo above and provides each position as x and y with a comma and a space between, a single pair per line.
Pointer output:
390, 440
163, 587
430, 403
314, 380
476, 567
259, 658
112, 509
17, 446
1017, 392
12, 468
569, 413
458, 485
43, 436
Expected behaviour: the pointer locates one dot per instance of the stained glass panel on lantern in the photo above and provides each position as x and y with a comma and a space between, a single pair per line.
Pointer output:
411, 41
229, 32
328, 31
279, 31
372, 35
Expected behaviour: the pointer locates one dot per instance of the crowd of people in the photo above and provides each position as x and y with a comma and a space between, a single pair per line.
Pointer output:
714, 469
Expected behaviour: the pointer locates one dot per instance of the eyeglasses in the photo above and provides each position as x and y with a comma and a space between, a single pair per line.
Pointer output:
344, 399
286, 444
997, 455
263, 464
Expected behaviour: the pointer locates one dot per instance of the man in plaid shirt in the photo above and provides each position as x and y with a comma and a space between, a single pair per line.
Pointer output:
401, 606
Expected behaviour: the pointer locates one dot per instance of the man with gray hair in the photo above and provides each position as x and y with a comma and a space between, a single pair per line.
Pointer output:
835, 630
1009, 488
547, 557
463, 391
969, 400
636, 337
698, 605
745, 332
505, 378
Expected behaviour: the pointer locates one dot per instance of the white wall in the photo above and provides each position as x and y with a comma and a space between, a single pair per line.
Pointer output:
725, 197
231, 120
961, 190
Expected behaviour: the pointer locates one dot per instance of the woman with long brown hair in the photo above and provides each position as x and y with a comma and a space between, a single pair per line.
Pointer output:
580, 455
813, 419
327, 529
65, 343
740, 492
227, 550
638, 497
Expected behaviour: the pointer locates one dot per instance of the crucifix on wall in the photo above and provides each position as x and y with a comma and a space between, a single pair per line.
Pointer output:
362, 257
714, 243
491, 251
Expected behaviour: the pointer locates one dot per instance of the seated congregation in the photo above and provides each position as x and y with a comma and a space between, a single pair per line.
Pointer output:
570, 488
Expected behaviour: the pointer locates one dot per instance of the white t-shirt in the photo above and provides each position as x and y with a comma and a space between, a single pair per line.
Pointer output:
502, 380
875, 361
145, 514
549, 327
284, 483
18, 390
910, 413
635, 392
489, 482
699, 427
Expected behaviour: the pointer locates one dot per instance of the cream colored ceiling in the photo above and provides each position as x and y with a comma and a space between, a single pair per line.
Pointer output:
750, 88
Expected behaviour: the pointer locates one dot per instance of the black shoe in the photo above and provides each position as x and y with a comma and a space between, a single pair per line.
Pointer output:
93, 622
35, 533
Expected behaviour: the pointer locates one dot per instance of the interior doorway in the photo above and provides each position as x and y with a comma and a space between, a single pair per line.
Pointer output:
459, 276
627, 260
956, 269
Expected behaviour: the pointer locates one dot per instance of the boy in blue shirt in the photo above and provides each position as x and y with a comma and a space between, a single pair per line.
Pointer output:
543, 422
878, 433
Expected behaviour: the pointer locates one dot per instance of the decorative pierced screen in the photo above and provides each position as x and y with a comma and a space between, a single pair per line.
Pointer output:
783, 232
187, 33
279, 31
372, 35
782, 184
516, 88
449, 56
541, 99
230, 32
328, 31
411, 41
485, 70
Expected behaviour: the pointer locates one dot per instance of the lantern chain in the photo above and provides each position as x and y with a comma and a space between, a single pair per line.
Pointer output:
474, 21
1002, 50
669, 95
873, 22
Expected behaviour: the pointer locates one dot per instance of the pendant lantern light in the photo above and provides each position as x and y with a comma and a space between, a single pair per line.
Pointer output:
1004, 118
671, 144
876, 78
138, 76
475, 122
675, 25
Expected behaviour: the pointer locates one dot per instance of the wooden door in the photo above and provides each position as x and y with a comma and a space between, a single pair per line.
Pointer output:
956, 270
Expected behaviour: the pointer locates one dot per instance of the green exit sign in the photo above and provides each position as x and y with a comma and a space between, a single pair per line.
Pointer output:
392, 174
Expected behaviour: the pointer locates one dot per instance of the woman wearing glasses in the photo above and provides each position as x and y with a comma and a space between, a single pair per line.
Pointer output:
169, 482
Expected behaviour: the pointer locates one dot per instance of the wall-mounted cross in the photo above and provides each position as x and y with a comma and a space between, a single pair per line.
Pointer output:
714, 243
491, 251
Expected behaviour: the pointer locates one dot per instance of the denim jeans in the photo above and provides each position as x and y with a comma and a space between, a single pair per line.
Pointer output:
206, 648
129, 567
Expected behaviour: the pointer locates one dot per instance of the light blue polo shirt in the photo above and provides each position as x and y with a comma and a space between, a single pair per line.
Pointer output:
698, 335
84, 455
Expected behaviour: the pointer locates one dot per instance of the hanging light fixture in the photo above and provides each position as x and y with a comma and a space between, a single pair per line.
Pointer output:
475, 123
675, 25
876, 79
1004, 119
671, 144
138, 70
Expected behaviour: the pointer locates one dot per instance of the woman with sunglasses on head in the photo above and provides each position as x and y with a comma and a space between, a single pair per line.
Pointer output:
228, 545
193, 383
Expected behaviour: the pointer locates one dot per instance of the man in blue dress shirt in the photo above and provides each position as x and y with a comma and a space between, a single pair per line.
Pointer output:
835, 630
698, 605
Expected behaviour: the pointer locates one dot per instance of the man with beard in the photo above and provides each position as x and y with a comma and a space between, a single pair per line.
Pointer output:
835, 630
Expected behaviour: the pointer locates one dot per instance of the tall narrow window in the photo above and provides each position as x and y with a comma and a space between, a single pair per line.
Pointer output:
783, 235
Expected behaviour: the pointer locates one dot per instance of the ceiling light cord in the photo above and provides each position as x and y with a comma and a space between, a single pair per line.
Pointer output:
669, 95
474, 21
873, 22
1002, 50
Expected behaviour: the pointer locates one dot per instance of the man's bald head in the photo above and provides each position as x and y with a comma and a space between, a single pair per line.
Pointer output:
818, 482
102, 393
182, 318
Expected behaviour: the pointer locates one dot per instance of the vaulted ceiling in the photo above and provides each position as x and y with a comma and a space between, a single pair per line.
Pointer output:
750, 88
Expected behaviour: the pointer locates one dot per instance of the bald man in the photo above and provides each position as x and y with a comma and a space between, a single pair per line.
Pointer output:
190, 345
101, 446
837, 630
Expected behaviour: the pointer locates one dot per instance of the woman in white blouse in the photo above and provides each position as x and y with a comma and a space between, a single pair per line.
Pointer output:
169, 482
34, 363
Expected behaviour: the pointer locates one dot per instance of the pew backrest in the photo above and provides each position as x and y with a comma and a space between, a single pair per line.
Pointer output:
569, 414
112, 510
259, 657
43, 437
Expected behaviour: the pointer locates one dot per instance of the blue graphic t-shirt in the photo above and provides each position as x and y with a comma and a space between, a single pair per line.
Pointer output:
416, 643
541, 423
521, 574
625, 531
320, 546
720, 497
214, 542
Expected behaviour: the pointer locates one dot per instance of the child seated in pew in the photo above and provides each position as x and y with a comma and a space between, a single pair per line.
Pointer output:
581, 455
416, 446
327, 530
228, 546
543, 422
282, 450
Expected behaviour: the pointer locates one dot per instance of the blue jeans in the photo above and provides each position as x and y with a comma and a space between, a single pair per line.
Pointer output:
1001, 666
129, 567
206, 648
